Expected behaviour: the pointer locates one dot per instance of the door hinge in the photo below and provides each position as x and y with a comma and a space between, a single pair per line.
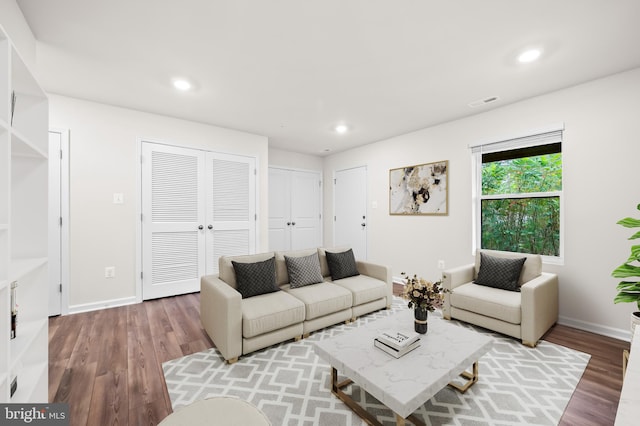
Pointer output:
141, 217
61, 154
335, 181
255, 216
255, 172
320, 183
60, 220
334, 218
60, 287
141, 275
319, 215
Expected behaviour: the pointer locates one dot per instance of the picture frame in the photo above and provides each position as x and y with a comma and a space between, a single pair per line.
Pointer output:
422, 189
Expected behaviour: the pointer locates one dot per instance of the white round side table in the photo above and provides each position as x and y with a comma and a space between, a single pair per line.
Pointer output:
227, 411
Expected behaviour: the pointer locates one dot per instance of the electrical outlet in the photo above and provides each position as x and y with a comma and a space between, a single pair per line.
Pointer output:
110, 272
440, 264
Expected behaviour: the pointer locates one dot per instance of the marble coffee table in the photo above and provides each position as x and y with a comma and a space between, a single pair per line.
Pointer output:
406, 383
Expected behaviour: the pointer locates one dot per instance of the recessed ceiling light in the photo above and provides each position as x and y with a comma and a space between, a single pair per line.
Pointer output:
181, 84
529, 55
341, 128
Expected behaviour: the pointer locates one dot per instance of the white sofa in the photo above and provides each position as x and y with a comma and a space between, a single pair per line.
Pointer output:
526, 314
239, 326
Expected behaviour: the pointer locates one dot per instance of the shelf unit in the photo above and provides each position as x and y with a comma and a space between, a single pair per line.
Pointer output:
23, 229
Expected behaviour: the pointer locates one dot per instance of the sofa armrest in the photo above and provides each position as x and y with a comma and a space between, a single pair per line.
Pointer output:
452, 278
381, 272
221, 315
539, 307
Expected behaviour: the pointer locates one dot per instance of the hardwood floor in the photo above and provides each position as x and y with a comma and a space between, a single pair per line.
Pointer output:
107, 364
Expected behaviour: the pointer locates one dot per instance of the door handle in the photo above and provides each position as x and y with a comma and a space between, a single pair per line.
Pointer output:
363, 224
288, 223
201, 227
293, 223
210, 227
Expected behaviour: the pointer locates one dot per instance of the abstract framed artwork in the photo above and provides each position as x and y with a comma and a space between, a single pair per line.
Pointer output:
419, 190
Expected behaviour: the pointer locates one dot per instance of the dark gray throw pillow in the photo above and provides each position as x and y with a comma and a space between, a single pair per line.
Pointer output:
254, 279
342, 265
500, 272
303, 270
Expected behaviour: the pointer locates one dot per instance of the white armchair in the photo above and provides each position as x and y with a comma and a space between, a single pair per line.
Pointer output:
526, 314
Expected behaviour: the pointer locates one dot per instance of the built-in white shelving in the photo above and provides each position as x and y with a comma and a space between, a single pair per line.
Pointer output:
23, 229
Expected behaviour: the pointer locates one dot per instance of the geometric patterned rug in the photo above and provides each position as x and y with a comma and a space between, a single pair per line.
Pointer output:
290, 384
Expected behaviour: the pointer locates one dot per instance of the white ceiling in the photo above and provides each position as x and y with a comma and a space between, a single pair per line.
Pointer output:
292, 69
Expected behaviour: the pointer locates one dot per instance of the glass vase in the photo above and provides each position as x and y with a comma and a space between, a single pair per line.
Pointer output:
420, 318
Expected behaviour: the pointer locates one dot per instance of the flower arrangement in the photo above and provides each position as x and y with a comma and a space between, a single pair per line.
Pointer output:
423, 294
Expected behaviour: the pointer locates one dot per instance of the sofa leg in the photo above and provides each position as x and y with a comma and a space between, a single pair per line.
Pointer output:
297, 338
529, 344
306, 335
347, 322
232, 360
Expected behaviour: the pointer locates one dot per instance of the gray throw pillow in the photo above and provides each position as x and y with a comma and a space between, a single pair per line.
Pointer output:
303, 270
342, 265
500, 272
254, 279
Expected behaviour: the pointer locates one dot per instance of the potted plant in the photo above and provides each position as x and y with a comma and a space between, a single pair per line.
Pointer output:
628, 290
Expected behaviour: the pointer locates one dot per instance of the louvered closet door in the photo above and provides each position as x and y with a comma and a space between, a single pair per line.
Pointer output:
173, 210
231, 207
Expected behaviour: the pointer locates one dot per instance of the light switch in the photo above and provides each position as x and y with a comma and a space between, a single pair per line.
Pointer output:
374, 204
118, 198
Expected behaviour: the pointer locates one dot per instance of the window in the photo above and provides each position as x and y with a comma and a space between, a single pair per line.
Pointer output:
518, 194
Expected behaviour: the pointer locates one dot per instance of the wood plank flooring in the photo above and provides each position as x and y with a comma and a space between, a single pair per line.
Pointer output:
108, 364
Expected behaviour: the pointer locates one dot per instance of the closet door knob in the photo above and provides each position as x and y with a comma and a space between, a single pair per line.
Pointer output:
293, 223
210, 227
201, 227
288, 223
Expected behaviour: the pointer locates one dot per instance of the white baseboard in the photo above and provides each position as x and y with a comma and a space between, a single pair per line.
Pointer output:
398, 280
615, 333
105, 304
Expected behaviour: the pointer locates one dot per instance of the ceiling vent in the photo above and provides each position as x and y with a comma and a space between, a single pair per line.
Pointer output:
482, 102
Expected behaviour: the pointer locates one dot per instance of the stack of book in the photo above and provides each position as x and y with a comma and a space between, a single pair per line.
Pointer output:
397, 344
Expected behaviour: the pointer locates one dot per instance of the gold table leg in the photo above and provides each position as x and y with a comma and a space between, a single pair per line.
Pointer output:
471, 379
336, 389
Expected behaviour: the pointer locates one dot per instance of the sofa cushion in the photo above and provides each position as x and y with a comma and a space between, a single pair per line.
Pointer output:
499, 272
282, 276
364, 289
269, 312
303, 270
254, 279
225, 268
342, 265
322, 254
321, 299
531, 269
487, 301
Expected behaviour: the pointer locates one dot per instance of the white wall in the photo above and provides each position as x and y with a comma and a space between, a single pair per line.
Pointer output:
601, 155
14, 24
294, 160
103, 161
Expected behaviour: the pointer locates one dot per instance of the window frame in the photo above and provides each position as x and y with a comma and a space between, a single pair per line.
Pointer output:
550, 134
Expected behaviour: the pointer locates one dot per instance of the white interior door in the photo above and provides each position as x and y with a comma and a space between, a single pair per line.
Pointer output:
231, 207
350, 210
173, 219
305, 210
279, 209
58, 221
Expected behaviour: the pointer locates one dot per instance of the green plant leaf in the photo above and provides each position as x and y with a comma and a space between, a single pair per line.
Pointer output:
625, 271
635, 254
629, 222
626, 298
628, 286
634, 236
